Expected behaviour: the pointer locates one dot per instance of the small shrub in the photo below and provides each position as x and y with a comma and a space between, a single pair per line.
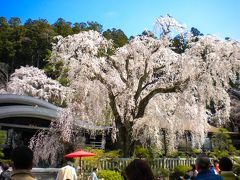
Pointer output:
236, 169
155, 152
181, 154
195, 152
211, 154
176, 154
161, 173
181, 170
165, 172
159, 154
141, 152
222, 143
109, 175
101, 155
64, 81
219, 154
236, 165
3, 137
173, 154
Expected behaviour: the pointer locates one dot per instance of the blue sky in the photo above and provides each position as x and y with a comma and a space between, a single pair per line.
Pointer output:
219, 17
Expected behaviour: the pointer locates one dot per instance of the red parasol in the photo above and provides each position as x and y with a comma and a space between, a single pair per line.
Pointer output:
80, 154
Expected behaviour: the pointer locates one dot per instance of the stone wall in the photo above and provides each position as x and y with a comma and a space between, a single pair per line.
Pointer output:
45, 173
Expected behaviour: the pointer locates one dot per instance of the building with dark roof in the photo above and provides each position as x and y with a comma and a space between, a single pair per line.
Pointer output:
22, 116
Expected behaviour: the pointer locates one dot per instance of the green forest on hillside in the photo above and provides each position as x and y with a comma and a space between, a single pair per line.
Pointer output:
30, 43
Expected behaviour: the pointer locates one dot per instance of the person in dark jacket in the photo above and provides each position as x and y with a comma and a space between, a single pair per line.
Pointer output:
139, 170
226, 165
202, 164
22, 158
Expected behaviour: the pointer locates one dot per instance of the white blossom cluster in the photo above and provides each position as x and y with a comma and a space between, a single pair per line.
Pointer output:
167, 24
78, 48
34, 82
48, 145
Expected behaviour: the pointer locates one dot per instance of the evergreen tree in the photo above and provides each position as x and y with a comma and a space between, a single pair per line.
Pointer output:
117, 35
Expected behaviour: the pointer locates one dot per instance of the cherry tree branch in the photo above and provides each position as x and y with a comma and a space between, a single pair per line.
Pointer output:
111, 96
112, 63
141, 81
174, 88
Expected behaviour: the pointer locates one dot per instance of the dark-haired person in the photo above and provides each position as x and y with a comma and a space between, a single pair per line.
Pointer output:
216, 166
204, 173
226, 165
94, 175
22, 158
139, 170
193, 172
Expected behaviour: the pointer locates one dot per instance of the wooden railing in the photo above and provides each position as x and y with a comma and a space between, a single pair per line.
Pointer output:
120, 164
95, 145
167, 163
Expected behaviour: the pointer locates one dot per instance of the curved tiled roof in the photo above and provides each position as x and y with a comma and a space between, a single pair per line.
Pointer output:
12, 105
27, 111
25, 100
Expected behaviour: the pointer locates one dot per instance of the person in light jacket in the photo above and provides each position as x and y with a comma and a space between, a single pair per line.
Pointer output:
67, 172
94, 175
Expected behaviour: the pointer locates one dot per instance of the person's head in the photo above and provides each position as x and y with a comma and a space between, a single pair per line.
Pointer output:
5, 166
225, 164
95, 169
215, 162
69, 163
193, 167
139, 169
22, 157
202, 163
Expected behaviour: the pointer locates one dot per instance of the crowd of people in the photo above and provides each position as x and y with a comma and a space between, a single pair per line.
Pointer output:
203, 169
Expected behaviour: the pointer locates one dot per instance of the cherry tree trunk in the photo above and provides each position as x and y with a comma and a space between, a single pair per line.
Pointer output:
125, 141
